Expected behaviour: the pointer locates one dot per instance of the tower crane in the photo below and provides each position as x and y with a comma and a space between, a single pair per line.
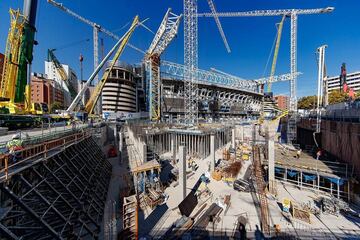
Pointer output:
190, 61
165, 34
96, 29
120, 45
293, 14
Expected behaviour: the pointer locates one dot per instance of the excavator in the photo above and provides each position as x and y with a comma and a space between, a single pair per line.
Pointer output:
16, 109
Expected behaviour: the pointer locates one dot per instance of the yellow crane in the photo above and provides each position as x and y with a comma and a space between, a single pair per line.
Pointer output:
276, 52
11, 63
90, 105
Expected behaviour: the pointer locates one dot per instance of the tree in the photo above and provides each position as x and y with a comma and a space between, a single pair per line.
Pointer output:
337, 96
56, 106
308, 102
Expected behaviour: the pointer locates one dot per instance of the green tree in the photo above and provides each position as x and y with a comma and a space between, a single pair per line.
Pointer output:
337, 96
56, 106
308, 102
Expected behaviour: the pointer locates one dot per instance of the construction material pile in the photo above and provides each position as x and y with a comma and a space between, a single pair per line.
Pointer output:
333, 205
229, 166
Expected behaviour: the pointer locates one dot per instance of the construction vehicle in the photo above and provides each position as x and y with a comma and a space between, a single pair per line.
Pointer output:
15, 106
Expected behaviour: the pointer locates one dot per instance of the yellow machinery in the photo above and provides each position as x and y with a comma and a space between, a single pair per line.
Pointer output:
11, 61
61, 71
276, 52
15, 92
90, 105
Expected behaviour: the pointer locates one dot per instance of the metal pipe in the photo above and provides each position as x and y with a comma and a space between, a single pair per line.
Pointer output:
29, 11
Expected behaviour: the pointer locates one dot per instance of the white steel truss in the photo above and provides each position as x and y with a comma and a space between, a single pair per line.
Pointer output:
224, 80
190, 61
165, 34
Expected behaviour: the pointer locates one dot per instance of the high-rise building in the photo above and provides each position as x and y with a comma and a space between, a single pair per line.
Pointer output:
352, 80
52, 73
45, 90
282, 101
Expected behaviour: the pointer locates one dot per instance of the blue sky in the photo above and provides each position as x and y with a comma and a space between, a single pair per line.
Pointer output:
250, 39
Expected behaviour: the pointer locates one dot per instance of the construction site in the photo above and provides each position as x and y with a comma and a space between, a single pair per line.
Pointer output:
166, 150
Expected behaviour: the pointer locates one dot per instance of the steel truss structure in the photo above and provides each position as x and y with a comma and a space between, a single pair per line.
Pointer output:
61, 197
292, 13
208, 78
165, 34
177, 70
190, 60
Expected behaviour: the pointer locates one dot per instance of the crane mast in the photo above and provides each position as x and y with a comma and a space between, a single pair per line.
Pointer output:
190, 61
15, 85
165, 34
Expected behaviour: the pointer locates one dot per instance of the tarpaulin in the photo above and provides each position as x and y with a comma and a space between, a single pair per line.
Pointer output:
335, 180
292, 173
309, 177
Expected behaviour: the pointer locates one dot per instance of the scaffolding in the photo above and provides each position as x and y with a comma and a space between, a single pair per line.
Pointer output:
58, 197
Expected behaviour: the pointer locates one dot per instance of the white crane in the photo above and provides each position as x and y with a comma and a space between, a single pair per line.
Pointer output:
292, 13
190, 61
165, 34
96, 29
320, 90
217, 21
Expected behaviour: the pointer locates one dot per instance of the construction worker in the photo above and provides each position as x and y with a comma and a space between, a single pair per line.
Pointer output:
318, 154
15, 145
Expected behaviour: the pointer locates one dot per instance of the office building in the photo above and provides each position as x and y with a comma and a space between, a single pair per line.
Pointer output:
282, 101
45, 90
352, 80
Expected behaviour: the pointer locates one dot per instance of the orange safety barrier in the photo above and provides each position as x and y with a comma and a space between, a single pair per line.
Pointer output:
38, 150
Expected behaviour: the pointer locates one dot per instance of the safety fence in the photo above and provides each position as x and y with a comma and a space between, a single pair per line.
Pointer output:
46, 134
29, 155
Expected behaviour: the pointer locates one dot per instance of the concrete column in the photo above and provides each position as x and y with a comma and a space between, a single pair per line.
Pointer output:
271, 164
212, 153
182, 172
241, 128
233, 137
318, 181
121, 140
173, 147
143, 152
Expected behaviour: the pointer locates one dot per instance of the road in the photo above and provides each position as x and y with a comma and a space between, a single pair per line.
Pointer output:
39, 132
